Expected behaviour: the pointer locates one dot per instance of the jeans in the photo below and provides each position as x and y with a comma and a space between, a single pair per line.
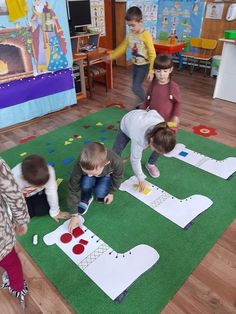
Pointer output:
139, 74
100, 186
153, 158
120, 143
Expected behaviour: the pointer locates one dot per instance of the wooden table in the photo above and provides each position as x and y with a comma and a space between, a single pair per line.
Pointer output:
164, 46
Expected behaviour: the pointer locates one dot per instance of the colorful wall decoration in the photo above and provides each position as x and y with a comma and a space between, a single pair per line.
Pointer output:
98, 16
35, 60
182, 17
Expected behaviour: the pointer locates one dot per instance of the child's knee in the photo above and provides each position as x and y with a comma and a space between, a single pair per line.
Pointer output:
100, 193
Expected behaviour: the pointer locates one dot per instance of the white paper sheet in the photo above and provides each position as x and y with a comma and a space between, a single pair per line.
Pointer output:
113, 272
221, 168
181, 212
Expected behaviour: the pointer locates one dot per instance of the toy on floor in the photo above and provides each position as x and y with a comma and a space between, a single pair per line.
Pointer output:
181, 212
113, 272
221, 168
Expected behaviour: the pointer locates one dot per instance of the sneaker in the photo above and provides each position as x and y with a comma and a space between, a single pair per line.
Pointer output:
83, 207
20, 295
5, 281
153, 170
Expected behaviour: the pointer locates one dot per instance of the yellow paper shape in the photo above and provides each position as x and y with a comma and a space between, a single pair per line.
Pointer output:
171, 124
146, 190
71, 139
99, 123
59, 181
23, 154
67, 143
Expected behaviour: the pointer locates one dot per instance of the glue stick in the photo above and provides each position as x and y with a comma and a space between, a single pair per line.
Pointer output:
35, 239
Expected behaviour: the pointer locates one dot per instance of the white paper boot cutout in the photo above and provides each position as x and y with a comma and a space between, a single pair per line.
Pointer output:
181, 212
221, 168
111, 271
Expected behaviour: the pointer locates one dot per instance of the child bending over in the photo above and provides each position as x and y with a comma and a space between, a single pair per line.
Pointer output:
163, 95
97, 171
37, 182
144, 129
13, 220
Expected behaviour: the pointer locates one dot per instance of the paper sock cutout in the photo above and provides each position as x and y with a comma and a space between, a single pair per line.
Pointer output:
111, 271
181, 212
221, 168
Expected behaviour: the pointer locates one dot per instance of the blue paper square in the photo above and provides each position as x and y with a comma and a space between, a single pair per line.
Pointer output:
183, 154
68, 160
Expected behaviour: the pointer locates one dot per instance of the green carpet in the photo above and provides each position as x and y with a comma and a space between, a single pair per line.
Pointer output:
127, 222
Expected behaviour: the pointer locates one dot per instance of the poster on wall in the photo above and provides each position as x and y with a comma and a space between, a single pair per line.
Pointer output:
35, 60
214, 11
149, 11
3, 8
98, 16
184, 18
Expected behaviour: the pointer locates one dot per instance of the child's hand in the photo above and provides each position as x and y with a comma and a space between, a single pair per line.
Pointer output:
150, 76
142, 185
75, 221
20, 230
175, 119
108, 199
61, 215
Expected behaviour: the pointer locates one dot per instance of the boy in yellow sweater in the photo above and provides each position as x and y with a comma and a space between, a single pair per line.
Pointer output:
143, 52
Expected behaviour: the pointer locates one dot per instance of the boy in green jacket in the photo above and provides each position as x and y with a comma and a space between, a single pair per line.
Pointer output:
97, 171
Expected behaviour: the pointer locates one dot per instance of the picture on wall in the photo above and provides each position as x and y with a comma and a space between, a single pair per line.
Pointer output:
3, 8
214, 11
98, 16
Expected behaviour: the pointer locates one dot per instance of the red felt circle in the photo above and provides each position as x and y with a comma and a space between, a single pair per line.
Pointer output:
78, 249
66, 238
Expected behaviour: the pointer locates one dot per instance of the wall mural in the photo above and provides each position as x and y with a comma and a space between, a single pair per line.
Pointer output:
35, 59
49, 45
184, 18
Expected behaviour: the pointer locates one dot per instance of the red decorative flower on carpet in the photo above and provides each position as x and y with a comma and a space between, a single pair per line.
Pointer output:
116, 104
204, 130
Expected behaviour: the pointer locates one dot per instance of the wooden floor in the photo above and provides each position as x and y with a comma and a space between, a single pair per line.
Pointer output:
212, 286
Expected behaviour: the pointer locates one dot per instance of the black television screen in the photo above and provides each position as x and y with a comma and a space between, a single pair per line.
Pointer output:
79, 13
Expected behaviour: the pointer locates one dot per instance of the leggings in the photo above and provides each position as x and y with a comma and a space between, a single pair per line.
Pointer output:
12, 265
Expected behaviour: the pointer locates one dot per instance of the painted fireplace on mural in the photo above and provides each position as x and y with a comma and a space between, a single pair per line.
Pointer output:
15, 54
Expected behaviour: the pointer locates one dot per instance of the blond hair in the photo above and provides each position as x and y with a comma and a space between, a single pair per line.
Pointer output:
93, 155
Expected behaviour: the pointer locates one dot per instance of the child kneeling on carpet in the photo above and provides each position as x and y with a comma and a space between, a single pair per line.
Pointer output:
13, 220
144, 129
98, 170
37, 182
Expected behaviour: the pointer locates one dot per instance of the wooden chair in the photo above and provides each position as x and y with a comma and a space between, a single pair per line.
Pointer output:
95, 72
201, 52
